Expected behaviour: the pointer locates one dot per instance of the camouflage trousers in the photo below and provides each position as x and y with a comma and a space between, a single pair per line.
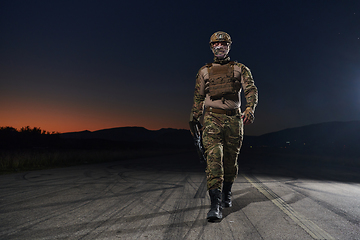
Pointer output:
222, 139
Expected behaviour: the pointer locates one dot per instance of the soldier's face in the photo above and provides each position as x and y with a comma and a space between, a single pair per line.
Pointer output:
220, 49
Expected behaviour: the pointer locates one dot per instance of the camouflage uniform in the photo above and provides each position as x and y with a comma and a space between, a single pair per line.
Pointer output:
217, 91
222, 133
222, 138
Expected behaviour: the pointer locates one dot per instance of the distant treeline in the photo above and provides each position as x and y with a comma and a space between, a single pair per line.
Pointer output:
27, 137
25, 130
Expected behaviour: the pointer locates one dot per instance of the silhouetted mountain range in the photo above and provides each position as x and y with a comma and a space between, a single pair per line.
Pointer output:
168, 136
331, 138
323, 138
323, 133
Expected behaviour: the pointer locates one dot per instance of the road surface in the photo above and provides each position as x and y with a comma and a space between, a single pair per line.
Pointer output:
165, 198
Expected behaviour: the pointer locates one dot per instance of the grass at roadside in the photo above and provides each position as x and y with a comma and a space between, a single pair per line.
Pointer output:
25, 160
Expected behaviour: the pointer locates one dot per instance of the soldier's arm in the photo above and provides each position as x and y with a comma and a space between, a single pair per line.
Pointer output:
250, 90
251, 94
199, 97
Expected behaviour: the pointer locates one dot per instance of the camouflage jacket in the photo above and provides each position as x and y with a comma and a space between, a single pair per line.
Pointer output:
201, 99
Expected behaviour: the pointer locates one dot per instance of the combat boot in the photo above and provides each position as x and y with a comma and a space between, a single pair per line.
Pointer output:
226, 194
215, 210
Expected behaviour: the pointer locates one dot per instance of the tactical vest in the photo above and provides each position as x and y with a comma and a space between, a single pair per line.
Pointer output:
221, 83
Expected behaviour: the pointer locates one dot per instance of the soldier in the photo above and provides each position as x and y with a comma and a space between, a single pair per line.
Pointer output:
217, 100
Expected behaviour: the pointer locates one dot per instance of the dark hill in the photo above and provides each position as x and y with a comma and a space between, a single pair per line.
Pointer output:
323, 138
323, 133
331, 138
168, 136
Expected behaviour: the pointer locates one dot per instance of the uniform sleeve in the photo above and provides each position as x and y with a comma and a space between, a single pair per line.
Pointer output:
199, 97
250, 90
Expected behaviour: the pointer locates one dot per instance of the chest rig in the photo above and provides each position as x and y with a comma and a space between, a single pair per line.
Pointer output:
221, 83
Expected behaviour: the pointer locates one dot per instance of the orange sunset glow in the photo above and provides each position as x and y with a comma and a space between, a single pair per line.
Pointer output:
56, 117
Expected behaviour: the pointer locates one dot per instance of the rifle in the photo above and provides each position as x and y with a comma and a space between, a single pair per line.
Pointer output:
195, 127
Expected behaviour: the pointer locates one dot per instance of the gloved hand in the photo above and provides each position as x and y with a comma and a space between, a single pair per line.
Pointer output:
193, 118
248, 116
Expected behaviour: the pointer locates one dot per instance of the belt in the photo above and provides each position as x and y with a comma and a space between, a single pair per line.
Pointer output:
229, 112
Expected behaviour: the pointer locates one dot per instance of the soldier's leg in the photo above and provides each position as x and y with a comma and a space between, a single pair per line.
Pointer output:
212, 141
213, 144
232, 144
233, 136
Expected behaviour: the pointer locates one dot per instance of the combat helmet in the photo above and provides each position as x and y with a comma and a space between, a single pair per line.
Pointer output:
220, 36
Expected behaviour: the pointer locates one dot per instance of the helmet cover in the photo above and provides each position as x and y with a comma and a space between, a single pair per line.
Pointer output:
220, 43
220, 36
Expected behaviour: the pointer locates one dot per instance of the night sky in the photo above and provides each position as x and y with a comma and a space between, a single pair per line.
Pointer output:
89, 65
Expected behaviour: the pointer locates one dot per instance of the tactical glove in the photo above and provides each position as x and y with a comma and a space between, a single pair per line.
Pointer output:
248, 116
194, 118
